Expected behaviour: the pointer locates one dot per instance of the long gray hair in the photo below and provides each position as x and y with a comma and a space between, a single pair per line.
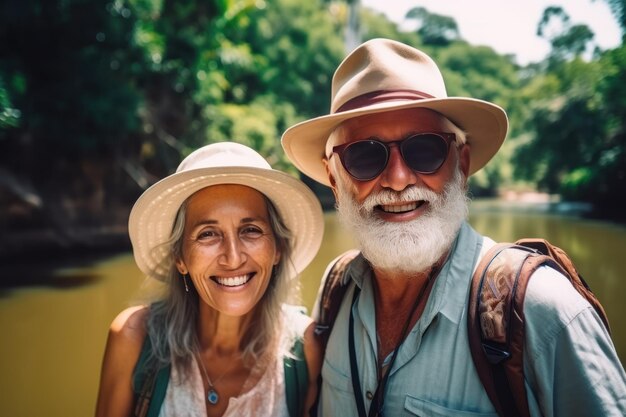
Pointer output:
171, 324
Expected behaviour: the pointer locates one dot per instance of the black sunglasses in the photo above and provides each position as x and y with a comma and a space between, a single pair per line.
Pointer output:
366, 159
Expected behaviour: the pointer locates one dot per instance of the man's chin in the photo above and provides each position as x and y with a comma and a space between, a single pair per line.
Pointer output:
412, 247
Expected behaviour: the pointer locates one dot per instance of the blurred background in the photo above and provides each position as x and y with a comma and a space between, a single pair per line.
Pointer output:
100, 99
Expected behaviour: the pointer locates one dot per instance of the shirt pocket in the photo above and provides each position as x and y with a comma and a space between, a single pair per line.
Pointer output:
422, 408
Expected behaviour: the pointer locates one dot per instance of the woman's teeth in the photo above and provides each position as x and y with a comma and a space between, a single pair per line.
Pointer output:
233, 281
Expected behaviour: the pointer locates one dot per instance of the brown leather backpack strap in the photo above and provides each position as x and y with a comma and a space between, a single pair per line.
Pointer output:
333, 290
496, 316
563, 263
332, 294
495, 327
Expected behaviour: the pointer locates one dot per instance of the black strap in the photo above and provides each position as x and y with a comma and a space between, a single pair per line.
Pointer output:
505, 393
354, 369
378, 401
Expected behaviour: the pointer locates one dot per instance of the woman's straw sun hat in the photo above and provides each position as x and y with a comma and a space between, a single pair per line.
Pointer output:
152, 217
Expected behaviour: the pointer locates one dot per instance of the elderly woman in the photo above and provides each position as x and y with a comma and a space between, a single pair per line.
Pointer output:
228, 235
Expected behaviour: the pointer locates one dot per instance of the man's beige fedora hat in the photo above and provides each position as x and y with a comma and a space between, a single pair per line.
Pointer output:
152, 217
383, 75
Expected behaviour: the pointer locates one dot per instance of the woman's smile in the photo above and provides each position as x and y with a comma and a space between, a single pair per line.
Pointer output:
236, 281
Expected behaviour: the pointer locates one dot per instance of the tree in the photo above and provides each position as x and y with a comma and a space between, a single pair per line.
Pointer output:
576, 119
109, 97
618, 7
433, 28
67, 69
568, 41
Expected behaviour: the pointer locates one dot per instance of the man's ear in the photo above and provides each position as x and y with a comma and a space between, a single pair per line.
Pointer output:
464, 159
331, 178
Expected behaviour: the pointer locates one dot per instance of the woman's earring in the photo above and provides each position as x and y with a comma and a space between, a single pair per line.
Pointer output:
185, 281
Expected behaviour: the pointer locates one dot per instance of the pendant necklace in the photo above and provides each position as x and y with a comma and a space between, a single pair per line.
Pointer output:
212, 396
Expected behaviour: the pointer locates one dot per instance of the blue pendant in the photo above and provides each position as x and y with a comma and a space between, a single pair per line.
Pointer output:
212, 396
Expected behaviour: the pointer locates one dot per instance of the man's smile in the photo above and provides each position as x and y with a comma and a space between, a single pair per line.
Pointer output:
400, 208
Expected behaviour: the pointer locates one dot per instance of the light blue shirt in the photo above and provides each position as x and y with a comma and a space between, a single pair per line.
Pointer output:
571, 367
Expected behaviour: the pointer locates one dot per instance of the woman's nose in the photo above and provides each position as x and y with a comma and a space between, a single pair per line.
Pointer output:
232, 255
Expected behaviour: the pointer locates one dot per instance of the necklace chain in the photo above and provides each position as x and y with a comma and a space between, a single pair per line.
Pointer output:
212, 395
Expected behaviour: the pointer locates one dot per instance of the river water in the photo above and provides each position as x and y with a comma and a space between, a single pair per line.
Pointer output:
54, 334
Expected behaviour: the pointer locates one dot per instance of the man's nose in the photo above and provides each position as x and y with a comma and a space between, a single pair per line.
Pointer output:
397, 175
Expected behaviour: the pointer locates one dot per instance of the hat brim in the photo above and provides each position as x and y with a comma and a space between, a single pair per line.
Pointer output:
484, 123
152, 217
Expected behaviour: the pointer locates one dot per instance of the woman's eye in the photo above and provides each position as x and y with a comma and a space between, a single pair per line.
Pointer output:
251, 231
207, 234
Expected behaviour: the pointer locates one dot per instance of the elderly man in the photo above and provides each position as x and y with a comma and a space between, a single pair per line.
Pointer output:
397, 152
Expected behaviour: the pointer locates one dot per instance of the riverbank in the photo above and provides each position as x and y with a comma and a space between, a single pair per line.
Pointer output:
31, 258
533, 202
49, 245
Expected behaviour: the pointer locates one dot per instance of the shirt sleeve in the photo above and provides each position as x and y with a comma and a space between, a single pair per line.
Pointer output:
571, 366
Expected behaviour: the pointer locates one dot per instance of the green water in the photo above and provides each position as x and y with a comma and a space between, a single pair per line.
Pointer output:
54, 336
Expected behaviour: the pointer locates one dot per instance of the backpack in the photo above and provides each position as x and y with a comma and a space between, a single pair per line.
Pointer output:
150, 385
495, 321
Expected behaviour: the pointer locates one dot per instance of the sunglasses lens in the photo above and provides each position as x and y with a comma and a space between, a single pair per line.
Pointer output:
365, 160
425, 153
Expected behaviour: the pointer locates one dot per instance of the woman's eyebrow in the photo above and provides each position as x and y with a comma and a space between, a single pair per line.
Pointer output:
204, 222
252, 219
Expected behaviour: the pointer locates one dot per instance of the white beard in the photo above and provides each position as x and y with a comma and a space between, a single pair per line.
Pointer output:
412, 246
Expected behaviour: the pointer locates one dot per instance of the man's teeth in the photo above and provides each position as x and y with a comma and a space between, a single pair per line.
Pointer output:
399, 209
233, 281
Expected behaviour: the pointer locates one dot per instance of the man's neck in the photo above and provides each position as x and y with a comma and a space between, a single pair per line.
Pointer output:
395, 295
395, 290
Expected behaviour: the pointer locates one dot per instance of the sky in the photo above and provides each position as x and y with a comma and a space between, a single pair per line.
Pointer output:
509, 27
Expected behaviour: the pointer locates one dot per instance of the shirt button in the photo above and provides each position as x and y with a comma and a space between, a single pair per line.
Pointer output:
369, 395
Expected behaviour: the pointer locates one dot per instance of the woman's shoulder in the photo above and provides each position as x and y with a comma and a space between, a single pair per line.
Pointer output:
126, 335
129, 327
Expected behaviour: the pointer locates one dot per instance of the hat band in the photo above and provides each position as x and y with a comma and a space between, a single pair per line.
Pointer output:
379, 96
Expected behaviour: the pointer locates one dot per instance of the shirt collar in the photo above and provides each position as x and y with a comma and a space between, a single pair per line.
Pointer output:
449, 292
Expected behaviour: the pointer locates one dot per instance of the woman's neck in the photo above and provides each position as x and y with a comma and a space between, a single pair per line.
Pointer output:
220, 333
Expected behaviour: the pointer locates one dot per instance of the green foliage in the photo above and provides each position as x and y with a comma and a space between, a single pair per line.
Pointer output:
298, 46
482, 73
68, 66
254, 124
9, 116
579, 179
479, 72
127, 87
578, 140
568, 41
434, 29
